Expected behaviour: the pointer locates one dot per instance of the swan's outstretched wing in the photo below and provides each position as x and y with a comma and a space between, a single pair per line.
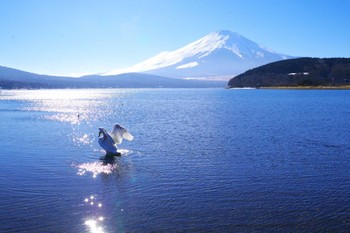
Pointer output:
119, 132
128, 136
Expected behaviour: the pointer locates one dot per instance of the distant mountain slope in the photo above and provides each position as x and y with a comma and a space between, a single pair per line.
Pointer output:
297, 72
15, 79
137, 80
218, 55
12, 78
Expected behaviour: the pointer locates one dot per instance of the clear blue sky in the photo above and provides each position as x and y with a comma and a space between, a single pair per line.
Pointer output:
91, 36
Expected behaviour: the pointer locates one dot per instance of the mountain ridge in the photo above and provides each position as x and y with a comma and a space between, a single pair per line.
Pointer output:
219, 54
16, 79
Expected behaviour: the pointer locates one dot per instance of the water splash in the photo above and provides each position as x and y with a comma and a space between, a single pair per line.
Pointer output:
125, 152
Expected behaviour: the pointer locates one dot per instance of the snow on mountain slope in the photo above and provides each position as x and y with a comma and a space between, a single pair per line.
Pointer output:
219, 55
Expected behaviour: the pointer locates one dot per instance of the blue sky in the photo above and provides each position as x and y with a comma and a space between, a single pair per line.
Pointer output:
91, 36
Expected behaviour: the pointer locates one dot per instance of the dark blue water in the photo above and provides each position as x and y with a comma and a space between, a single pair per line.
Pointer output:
203, 160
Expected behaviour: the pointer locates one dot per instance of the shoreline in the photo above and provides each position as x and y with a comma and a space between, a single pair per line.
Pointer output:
347, 87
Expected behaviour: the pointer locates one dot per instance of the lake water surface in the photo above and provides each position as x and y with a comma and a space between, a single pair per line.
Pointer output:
203, 160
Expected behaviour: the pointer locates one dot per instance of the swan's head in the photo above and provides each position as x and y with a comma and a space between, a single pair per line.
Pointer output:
101, 132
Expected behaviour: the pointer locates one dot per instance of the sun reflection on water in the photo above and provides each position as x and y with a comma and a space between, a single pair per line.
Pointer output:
68, 118
94, 222
70, 105
96, 168
94, 226
63, 94
82, 139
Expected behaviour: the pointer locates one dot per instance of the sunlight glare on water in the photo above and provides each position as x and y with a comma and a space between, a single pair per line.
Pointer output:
94, 222
104, 166
82, 138
63, 94
69, 106
95, 168
94, 226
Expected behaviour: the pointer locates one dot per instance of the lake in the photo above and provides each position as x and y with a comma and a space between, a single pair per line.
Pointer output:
203, 160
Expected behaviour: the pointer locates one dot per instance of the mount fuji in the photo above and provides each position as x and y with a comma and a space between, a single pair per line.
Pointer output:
219, 55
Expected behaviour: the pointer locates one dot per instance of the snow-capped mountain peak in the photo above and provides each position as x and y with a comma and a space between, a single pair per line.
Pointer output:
219, 54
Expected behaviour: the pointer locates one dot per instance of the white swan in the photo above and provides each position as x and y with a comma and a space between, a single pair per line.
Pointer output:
109, 141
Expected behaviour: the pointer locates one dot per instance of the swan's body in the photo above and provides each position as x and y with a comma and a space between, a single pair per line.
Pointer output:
109, 141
